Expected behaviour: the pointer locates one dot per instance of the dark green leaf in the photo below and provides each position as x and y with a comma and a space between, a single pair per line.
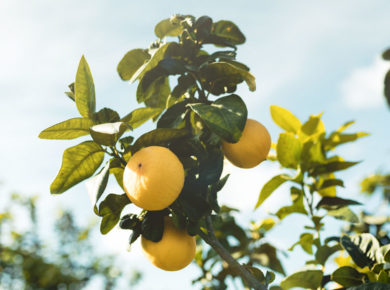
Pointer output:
285, 119
68, 129
131, 62
211, 166
135, 234
270, 187
343, 213
288, 150
266, 256
229, 31
218, 77
108, 133
97, 184
193, 203
84, 90
128, 221
362, 248
155, 93
331, 203
139, 116
256, 272
106, 115
332, 167
226, 117
153, 225
168, 28
269, 277
347, 276
173, 117
160, 136
387, 87
386, 54
110, 209
370, 286
331, 182
325, 251
313, 126
202, 27
78, 163
310, 279
312, 155
184, 83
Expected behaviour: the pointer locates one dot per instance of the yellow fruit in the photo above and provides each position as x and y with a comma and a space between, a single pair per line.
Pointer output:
153, 178
174, 251
252, 148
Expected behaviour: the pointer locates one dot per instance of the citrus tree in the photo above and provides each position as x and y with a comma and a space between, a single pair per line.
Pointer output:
187, 81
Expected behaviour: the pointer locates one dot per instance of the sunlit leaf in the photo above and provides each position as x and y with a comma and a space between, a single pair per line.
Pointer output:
108, 134
78, 163
97, 184
310, 279
84, 90
69, 129
270, 187
288, 150
168, 28
131, 62
285, 119
139, 116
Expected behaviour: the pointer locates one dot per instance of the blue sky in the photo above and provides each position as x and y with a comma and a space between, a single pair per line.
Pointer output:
307, 56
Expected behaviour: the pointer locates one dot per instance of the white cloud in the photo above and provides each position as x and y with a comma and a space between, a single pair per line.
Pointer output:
363, 88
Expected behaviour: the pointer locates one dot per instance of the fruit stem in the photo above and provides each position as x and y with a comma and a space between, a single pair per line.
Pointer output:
212, 240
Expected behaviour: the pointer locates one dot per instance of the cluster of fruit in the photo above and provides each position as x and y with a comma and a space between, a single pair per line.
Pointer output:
154, 178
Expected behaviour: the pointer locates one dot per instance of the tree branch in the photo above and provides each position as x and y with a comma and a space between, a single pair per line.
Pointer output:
212, 240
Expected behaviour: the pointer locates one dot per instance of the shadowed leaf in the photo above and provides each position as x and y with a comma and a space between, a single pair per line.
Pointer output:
310, 279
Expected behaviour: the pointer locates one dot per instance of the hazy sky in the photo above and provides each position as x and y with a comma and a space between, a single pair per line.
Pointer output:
307, 57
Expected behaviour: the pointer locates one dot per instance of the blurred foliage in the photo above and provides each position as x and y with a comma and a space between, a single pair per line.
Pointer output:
44, 258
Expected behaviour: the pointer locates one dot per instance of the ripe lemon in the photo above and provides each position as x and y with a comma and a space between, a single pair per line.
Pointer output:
174, 251
252, 148
153, 178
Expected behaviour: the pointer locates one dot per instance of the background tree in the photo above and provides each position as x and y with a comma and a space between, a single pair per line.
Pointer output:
29, 260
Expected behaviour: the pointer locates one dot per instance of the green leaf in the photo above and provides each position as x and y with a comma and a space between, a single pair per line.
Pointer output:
387, 87
288, 150
387, 256
332, 203
84, 90
370, 286
153, 225
169, 49
222, 77
184, 83
110, 209
309, 279
332, 167
325, 251
154, 94
331, 182
313, 126
306, 242
167, 28
229, 31
131, 62
312, 155
69, 129
139, 116
384, 277
108, 134
106, 115
362, 248
343, 213
128, 221
78, 163
386, 54
336, 139
174, 116
270, 187
160, 136
285, 119
97, 184
347, 276
296, 207
226, 117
